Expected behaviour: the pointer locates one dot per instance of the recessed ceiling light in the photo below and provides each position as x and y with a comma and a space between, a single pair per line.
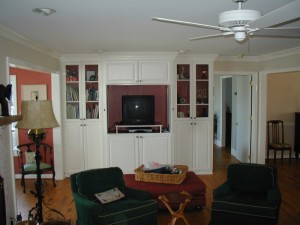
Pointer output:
44, 11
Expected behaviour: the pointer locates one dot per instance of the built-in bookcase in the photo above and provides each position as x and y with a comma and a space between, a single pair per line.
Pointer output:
82, 92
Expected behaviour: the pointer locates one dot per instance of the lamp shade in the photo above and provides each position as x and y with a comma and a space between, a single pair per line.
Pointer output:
37, 115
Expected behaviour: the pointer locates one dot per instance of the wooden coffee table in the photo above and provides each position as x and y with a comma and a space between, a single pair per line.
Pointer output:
181, 198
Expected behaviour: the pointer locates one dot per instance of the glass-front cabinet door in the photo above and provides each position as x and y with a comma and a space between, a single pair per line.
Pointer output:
192, 90
183, 90
82, 91
201, 90
72, 91
91, 92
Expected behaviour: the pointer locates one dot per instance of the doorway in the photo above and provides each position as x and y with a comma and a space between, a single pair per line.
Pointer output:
55, 97
236, 112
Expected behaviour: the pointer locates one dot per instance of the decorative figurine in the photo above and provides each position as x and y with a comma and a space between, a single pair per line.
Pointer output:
5, 93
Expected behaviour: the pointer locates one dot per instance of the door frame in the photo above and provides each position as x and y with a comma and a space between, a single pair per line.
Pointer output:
254, 131
262, 116
57, 134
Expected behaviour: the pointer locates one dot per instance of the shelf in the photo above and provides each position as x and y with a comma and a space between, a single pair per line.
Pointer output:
138, 126
4, 120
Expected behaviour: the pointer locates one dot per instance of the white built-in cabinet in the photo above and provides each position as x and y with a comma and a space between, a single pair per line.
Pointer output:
88, 143
192, 120
138, 72
82, 118
129, 151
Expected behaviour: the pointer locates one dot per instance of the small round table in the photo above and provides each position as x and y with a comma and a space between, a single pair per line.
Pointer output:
181, 198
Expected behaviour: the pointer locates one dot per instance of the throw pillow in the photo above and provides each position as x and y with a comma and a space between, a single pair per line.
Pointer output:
30, 157
110, 195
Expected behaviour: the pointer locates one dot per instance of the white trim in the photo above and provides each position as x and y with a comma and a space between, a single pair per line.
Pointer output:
57, 132
255, 149
33, 176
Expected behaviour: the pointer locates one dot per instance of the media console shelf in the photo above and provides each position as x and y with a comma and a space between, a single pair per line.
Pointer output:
138, 126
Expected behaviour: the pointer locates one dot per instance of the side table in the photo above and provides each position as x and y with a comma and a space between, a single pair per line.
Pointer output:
181, 198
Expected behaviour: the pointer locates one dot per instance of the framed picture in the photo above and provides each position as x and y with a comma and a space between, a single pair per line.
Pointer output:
34, 92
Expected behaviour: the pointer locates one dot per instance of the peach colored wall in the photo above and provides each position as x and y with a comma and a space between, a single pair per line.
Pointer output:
114, 101
283, 96
27, 77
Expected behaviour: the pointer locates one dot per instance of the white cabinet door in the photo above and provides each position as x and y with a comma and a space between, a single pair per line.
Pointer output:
83, 146
183, 143
202, 147
127, 72
93, 145
156, 72
122, 151
192, 145
118, 72
129, 151
155, 148
73, 148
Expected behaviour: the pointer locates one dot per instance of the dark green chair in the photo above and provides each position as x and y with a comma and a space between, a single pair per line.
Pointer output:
250, 196
136, 208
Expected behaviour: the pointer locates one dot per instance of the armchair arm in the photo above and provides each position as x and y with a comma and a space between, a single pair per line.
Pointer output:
274, 196
223, 190
137, 194
86, 209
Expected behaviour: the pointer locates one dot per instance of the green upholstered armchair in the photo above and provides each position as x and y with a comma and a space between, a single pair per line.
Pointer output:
249, 196
136, 208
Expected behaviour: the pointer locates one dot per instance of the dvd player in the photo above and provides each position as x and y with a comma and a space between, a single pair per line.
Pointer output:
139, 130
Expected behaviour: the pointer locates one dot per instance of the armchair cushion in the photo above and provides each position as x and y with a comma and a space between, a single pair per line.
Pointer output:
31, 167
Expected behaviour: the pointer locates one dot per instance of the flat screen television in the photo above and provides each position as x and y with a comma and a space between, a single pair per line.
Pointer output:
138, 109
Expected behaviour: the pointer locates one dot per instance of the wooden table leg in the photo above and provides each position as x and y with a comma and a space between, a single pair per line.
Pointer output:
180, 212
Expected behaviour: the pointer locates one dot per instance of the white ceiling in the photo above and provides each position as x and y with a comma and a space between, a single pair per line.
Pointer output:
90, 26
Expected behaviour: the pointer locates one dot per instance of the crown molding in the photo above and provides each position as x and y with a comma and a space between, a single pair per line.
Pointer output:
280, 54
119, 56
18, 38
270, 56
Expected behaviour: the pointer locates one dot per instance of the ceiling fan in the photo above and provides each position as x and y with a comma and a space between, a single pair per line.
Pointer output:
243, 23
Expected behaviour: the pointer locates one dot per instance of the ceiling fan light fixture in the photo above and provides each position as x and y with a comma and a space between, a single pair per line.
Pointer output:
44, 11
240, 36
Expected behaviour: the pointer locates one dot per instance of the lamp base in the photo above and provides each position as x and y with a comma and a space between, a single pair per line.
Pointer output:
36, 135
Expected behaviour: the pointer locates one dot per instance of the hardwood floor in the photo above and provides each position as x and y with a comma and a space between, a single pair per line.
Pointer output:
289, 182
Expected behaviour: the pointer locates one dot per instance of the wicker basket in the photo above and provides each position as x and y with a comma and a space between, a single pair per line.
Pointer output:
140, 175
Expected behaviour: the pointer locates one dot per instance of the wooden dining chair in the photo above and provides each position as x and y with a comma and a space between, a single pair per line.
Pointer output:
27, 163
276, 140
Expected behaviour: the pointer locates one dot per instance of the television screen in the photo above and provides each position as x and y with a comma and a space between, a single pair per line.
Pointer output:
138, 109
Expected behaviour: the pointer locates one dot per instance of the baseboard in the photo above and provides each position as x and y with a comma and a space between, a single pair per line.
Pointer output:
32, 176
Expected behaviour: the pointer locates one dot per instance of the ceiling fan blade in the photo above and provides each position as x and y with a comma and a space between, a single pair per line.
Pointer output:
187, 23
211, 36
280, 15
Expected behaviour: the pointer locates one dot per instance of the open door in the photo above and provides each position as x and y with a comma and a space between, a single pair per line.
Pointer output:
241, 117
